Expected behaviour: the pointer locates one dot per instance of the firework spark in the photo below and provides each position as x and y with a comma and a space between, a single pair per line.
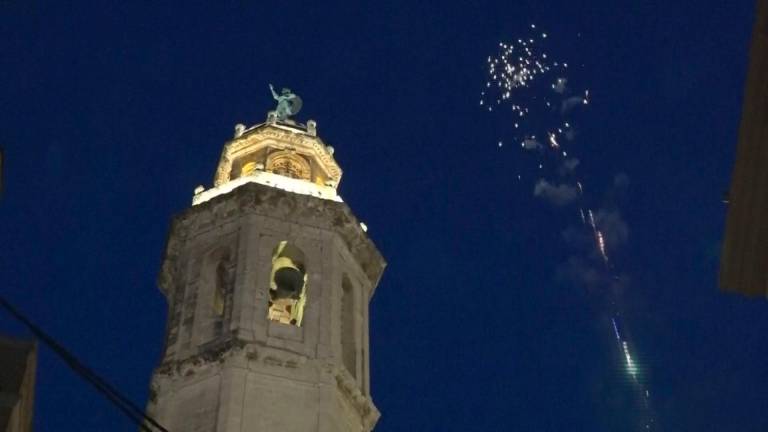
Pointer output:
601, 245
534, 91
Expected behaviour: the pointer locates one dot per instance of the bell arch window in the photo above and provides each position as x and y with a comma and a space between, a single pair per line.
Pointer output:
287, 284
219, 289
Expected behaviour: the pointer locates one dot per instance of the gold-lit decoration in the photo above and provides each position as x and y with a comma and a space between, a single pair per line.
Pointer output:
288, 285
248, 169
309, 157
289, 164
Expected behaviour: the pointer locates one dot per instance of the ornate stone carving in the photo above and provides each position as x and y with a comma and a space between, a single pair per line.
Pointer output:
361, 403
289, 164
277, 137
212, 354
276, 203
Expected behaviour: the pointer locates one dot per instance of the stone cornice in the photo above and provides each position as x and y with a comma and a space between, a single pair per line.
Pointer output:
360, 402
251, 352
271, 134
253, 198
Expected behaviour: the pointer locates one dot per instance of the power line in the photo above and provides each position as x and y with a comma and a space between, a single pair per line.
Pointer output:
131, 410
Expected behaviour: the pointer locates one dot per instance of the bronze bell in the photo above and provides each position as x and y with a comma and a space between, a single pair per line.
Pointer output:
289, 281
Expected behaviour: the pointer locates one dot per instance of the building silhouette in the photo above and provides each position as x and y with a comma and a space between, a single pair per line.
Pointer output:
744, 259
18, 363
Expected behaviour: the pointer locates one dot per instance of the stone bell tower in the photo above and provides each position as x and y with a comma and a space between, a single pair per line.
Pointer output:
268, 277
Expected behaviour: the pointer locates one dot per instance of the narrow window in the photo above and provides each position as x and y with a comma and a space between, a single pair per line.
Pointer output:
348, 349
219, 294
287, 285
217, 277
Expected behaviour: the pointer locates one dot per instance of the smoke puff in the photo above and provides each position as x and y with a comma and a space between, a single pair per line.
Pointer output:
569, 165
531, 144
621, 181
612, 225
560, 85
571, 103
558, 195
581, 272
591, 275
578, 237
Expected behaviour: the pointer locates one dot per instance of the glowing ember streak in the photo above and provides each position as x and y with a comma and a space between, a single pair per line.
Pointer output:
553, 141
601, 244
615, 329
631, 368
591, 219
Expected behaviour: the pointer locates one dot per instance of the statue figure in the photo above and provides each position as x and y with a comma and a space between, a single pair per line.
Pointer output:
288, 103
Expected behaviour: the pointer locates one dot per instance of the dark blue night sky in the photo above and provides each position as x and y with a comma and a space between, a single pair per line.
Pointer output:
111, 114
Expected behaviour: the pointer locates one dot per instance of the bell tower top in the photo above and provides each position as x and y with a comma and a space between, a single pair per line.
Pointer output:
280, 153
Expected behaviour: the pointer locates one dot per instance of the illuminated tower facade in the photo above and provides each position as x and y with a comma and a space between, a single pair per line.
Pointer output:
268, 277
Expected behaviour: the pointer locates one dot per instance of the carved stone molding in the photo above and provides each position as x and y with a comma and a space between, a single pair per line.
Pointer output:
289, 164
274, 203
281, 138
360, 402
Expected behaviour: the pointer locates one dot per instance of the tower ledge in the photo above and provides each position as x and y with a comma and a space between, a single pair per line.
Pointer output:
252, 355
251, 197
269, 179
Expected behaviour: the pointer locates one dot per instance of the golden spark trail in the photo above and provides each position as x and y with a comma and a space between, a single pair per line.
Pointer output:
535, 92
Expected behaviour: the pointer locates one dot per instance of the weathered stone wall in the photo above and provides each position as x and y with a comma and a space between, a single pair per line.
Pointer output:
239, 370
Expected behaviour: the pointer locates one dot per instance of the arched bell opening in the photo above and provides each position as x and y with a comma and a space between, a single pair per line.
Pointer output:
287, 284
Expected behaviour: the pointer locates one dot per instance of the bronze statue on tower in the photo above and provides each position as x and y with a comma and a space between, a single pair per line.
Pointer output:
288, 103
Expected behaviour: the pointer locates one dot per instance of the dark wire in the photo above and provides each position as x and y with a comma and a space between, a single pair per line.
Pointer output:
128, 408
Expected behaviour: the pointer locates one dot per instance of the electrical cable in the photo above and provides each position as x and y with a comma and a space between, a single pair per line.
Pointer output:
131, 410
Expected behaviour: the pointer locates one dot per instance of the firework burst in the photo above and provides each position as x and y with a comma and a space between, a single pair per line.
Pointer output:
539, 105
